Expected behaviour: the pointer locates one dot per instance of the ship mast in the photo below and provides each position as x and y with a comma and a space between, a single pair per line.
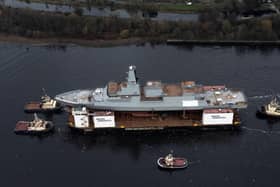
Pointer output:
131, 78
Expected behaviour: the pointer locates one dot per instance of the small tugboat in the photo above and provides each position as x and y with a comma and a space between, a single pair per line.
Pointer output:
37, 126
170, 162
47, 104
271, 109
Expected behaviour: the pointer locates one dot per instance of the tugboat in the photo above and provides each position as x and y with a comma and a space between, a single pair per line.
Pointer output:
170, 162
37, 126
47, 104
271, 109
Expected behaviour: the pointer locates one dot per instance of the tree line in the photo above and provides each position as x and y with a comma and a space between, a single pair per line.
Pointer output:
210, 26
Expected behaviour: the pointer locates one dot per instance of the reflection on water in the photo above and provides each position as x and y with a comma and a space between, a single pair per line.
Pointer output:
93, 11
136, 142
239, 50
265, 51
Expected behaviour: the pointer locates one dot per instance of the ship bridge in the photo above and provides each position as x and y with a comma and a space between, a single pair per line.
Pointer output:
128, 88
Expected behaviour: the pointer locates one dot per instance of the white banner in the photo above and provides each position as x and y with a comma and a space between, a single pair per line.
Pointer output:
81, 121
217, 119
104, 121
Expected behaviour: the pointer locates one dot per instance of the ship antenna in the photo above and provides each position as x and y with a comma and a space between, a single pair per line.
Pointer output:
274, 95
44, 91
36, 117
45, 97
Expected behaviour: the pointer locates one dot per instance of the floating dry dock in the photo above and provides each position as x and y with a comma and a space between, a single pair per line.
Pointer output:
155, 105
82, 118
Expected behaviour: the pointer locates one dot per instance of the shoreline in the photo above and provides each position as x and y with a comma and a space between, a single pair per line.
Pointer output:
257, 43
132, 41
82, 42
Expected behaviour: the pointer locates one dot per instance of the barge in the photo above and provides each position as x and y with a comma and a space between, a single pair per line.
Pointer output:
155, 105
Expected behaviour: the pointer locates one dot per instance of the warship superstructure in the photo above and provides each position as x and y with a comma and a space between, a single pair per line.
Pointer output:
182, 102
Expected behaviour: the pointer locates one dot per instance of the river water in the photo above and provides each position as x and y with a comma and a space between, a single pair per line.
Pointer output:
249, 157
93, 11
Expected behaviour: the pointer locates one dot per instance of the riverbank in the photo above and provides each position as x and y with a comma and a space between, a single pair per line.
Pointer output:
224, 42
82, 42
131, 41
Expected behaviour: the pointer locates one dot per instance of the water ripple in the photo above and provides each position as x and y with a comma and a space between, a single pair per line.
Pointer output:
260, 96
261, 131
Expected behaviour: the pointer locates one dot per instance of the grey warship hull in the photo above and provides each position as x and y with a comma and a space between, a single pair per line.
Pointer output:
154, 96
135, 103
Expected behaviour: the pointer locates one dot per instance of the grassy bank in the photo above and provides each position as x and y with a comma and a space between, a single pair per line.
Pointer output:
82, 42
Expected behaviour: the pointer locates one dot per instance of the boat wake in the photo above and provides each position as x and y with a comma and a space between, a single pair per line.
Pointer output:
261, 131
12, 61
194, 162
261, 96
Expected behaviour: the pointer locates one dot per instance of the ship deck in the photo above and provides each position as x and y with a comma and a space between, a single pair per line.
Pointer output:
32, 106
